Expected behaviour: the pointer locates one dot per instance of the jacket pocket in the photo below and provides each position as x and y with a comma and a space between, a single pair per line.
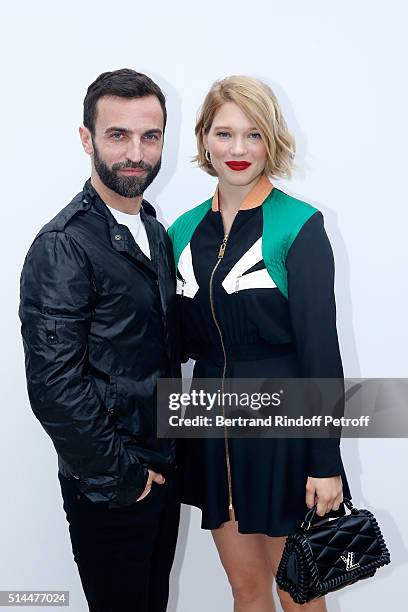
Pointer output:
106, 387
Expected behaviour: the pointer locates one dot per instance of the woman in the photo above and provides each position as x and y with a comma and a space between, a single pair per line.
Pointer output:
255, 282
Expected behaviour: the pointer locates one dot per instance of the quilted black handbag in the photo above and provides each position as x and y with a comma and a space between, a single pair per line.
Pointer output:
331, 553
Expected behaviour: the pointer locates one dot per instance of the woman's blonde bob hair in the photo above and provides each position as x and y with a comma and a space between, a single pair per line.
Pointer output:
259, 103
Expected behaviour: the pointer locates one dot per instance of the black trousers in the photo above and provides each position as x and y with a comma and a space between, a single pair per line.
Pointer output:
124, 555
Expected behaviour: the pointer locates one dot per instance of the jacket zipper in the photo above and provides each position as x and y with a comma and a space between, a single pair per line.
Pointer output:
231, 511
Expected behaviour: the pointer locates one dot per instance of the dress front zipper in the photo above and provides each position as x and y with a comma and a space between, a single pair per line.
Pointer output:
221, 251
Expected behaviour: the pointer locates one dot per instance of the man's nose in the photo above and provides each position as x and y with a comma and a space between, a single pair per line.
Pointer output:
135, 150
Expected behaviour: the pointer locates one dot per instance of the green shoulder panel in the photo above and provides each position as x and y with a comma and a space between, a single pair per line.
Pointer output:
283, 218
183, 228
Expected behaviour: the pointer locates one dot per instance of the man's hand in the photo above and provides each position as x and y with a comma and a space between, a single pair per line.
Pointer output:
327, 492
153, 477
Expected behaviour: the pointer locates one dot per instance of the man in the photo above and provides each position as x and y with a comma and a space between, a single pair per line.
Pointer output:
98, 324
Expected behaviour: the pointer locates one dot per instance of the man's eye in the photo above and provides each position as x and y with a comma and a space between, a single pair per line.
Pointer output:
255, 135
223, 134
116, 135
151, 137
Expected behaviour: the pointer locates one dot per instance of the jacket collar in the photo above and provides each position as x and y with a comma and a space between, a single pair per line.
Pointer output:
255, 197
90, 194
121, 238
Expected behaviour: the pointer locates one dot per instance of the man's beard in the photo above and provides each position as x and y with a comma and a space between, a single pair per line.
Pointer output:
126, 186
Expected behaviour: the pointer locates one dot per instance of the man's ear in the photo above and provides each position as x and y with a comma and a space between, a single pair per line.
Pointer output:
86, 139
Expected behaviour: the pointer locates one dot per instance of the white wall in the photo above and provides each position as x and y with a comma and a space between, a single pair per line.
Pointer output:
339, 70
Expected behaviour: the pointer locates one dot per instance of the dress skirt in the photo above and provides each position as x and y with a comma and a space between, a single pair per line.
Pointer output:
268, 475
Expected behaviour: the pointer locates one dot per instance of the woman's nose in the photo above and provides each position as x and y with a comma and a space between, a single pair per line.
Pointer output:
238, 146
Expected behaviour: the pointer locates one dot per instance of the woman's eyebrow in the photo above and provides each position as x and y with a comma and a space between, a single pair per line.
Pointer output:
225, 127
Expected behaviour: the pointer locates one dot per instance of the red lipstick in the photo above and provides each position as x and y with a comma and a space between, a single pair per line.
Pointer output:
238, 165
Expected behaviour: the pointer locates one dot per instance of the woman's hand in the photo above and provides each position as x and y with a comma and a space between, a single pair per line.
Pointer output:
326, 492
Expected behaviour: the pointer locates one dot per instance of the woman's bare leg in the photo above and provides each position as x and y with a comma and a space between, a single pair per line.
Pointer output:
246, 561
274, 547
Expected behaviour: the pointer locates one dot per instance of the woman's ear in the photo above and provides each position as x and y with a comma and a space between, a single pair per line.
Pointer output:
205, 139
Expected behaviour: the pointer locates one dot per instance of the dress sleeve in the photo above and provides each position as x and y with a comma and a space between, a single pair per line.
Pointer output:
310, 268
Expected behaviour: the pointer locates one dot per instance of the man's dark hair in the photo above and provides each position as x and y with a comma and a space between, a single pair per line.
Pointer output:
125, 83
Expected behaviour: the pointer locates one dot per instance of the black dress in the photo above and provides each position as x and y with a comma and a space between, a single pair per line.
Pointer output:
244, 327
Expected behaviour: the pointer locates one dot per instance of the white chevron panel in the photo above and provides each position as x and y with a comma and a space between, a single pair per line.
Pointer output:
259, 279
234, 281
185, 266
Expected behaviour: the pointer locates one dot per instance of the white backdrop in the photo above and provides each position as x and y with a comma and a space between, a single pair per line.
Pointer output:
339, 70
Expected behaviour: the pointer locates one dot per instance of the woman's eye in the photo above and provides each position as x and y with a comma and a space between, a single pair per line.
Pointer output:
223, 134
255, 135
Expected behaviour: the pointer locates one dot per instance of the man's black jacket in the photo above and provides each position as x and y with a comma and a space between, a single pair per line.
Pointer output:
99, 328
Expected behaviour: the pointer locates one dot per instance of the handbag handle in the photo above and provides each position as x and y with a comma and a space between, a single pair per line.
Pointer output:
310, 515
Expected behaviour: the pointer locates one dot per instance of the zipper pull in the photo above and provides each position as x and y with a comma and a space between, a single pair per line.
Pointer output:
223, 247
237, 284
182, 281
